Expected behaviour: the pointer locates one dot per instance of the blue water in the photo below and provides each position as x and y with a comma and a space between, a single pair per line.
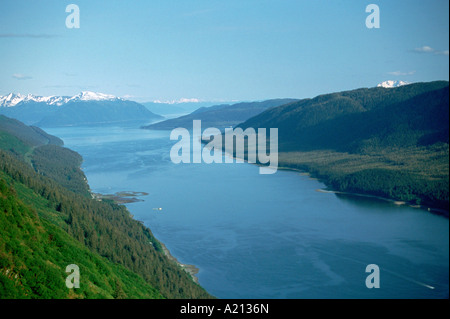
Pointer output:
266, 236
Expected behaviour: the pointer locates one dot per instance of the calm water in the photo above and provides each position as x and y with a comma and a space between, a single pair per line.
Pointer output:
266, 236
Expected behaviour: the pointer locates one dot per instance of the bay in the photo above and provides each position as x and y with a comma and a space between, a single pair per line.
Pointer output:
266, 236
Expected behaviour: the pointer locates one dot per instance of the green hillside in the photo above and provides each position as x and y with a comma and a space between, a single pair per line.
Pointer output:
13, 144
348, 121
30, 135
386, 142
47, 223
34, 254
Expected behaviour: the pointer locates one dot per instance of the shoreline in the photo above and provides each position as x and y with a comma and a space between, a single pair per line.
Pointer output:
303, 172
430, 209
120, 198
393, 201
190, 269
126, 197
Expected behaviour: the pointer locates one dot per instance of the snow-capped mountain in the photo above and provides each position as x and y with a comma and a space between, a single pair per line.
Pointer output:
93, 96
81, 109
392, 84
179, 101
13, 99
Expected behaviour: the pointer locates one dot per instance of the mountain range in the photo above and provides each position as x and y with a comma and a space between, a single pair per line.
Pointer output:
82, 109
220, 116
13, 99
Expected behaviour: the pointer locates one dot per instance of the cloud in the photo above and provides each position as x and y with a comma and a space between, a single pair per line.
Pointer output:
27, 35
400, 73
442, 52
19, 76
428, 49
424, 49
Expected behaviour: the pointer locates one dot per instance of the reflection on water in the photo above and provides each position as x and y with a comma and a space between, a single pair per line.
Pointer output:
266, 236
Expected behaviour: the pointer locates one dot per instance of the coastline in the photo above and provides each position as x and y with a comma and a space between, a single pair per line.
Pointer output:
433, 210
430, 209
123, 197
126, 197
393, 201
190, 269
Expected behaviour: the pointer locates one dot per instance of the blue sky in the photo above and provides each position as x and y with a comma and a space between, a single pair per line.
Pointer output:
219, 50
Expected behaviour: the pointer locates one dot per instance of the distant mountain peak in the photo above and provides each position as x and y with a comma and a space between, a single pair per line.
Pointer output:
179, 101
11, 99
392, 84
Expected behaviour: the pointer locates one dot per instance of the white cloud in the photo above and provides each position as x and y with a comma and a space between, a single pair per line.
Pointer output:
428, 49
442, 52
19, 76
400, 73
424, 49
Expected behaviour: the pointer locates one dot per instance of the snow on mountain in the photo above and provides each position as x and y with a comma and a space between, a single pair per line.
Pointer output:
13, 99
92, 96
392, 84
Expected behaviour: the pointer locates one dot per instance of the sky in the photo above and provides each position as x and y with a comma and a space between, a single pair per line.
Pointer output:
217, 50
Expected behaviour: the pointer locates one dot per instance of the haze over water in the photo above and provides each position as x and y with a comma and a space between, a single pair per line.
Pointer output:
266, 236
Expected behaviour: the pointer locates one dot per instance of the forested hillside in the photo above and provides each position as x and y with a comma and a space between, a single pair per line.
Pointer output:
386, 142
30, 135
34, 254
415, 114
49, 220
